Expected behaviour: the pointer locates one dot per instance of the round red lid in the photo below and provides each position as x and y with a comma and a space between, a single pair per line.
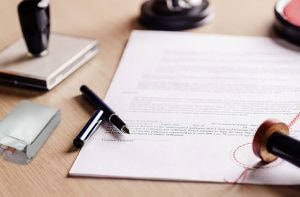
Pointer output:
292, 12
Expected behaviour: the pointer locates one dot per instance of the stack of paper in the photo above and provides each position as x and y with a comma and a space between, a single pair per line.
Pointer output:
193, 103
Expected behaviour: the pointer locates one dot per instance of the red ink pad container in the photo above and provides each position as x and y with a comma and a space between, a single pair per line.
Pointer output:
287, 23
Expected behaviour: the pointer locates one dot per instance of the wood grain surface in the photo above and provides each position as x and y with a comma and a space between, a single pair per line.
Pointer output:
110, 22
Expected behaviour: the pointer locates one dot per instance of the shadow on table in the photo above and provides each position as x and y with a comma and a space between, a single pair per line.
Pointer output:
263, 189
20, 92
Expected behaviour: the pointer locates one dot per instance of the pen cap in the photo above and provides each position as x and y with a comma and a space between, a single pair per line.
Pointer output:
89, 128
35, 24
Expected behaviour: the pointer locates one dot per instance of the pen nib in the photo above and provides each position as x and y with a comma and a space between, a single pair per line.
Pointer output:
125, 130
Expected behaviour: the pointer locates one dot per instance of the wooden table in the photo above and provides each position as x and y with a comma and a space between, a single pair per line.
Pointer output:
110, 22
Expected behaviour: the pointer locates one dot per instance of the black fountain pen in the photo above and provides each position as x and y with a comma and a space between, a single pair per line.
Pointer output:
110, 115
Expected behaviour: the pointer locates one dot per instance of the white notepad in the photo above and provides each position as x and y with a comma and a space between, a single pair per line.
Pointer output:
193, 103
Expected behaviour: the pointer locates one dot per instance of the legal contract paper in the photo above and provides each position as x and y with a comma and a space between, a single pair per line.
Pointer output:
193, 103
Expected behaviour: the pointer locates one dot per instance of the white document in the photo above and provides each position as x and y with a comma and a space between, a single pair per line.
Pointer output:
193, 103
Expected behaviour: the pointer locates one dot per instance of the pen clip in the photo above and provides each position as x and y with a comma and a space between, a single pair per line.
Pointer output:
93, 130
93, 125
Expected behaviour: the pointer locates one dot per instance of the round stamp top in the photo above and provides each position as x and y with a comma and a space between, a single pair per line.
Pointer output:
261, 137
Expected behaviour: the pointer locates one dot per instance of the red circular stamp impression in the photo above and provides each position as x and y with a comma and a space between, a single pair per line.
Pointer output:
244, 157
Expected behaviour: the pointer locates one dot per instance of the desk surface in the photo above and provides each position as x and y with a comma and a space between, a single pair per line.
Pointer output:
110, 22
